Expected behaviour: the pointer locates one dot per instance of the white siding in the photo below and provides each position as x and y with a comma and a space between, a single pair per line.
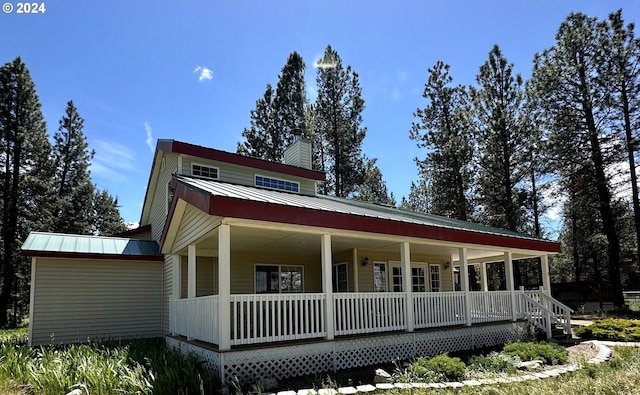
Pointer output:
195, 223
78, 300
167, 278
158, 214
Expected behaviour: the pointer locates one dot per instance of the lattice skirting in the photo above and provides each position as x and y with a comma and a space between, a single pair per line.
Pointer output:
281, 362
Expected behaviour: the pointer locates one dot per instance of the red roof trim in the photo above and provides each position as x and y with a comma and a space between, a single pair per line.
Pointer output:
236, 159
229, 207
119, 257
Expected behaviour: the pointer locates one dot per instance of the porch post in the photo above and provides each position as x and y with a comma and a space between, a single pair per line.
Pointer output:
355, 270
464, 283
327, 281
176, 287
224, 287
485, 280
508, 272
191, 272
544, 268
405, 257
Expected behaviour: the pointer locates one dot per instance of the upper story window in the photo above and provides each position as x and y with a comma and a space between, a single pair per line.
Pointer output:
204, 171
274, 183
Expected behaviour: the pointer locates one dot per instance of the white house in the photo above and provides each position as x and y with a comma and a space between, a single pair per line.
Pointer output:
238, 260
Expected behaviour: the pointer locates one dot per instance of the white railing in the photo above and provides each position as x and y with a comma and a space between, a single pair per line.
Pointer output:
369, 312
536, 313
276, 317
196, 318
432, 309
491, 306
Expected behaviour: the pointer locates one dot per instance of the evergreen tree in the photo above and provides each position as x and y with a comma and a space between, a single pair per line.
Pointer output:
574, 95
73, 188
338, 112
278, 114
418, 199
106, 219
443, 128
502, 143
373, 188
26, 176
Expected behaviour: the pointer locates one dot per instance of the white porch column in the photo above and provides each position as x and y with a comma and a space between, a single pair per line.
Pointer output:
176, 286
508, 272
464, 283
544, 268
405, 258
485, 280
355, 270
327, 284
224, 287
191, 272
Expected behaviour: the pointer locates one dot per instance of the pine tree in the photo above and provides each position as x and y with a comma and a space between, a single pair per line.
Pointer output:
106, 219
443, 128
26, 175
338, 112
574, 94
277, 114
502, 143
73, 188
373, 188
418, 199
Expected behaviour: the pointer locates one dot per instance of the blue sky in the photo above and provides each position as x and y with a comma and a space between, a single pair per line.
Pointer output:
192, 70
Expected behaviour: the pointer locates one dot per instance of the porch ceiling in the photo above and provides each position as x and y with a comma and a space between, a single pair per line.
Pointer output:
270, 241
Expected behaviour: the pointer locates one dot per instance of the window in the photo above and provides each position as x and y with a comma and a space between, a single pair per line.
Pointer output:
204, 171
434, 275
278, 279
379, 277
418, 280
396, 279
340, 278
274, 183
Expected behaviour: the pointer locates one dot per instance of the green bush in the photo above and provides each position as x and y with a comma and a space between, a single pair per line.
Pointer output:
495, 362
444, 366
615, 329
549, 353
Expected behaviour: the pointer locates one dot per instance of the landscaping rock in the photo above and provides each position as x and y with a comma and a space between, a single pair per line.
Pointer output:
381, 377
76, 391
530, 365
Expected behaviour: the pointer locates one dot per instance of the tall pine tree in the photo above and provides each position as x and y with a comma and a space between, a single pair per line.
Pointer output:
26, 175
443, 127
338, 119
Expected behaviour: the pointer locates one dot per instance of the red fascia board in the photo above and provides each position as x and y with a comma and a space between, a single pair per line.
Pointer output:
236, 159
119, 257
229, 207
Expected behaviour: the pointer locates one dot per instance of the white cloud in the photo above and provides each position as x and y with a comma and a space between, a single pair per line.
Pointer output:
204, 73
112, 161
149, 140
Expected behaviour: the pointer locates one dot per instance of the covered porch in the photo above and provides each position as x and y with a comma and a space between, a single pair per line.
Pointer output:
239, 282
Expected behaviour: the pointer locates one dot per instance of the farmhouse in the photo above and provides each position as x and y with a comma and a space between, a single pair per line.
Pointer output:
240, 261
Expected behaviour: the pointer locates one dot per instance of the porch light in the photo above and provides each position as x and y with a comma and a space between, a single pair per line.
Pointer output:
447, 265
365, 261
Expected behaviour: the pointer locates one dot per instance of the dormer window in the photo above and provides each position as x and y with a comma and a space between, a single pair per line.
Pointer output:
208, 172
274, 183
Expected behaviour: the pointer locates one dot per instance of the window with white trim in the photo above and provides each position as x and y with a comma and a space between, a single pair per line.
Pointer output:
418, 279
434, 277
279, 279
275, 183
379, 277
203, 171
340, 278
396, 278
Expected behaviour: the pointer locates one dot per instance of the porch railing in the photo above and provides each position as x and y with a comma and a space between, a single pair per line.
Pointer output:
432, 309
369, 312
264, 318
194, 318
276, 317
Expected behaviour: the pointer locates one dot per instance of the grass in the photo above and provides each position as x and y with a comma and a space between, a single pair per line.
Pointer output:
144, 367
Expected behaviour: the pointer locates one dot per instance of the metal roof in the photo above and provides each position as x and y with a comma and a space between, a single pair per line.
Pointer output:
50, 244
340, 205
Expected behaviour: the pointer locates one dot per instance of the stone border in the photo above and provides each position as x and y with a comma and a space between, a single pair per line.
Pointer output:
604, 353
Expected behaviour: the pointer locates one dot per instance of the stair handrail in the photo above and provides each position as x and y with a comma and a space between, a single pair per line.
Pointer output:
545, 314
562, 310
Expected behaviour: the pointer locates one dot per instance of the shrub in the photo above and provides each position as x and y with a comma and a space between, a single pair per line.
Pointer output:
494, 362
549, 353
616, 329
451, 368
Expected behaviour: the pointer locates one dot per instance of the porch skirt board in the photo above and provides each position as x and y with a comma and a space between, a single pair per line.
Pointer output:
281, 362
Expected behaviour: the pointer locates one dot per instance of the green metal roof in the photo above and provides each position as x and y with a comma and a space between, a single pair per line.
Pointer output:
52, 244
